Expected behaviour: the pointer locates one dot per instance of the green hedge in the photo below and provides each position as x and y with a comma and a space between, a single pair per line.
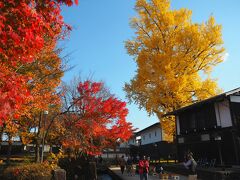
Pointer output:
36, 171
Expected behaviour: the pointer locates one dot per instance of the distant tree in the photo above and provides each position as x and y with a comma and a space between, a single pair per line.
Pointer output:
95, 119
174, 58
46, 72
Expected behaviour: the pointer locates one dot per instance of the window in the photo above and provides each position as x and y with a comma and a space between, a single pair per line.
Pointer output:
149, 135
181, 140
155, 133
143, 137
205, 137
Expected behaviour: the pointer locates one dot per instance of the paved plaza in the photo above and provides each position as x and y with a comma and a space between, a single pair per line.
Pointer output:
125, 176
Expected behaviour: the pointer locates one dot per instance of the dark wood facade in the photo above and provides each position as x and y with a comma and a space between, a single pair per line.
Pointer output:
159, 150
211, 129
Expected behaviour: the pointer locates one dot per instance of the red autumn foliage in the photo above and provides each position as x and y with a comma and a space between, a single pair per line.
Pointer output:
99, 120
24, 27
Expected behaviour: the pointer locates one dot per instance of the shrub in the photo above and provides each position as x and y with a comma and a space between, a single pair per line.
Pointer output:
54, 158
36, 171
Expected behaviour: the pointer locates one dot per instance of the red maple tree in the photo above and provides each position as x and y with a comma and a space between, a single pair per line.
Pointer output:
25, 25
97, 119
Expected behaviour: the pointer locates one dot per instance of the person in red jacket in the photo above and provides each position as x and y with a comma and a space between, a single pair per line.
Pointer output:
143, 168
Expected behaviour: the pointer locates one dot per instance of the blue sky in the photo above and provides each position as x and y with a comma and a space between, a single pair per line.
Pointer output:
96, 44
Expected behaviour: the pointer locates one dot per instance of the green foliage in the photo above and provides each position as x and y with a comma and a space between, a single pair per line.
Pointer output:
34, 171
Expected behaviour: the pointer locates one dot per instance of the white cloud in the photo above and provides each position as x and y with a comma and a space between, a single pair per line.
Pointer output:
225, 56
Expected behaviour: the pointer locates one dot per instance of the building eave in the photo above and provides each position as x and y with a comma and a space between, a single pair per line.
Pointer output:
147, 128
197, 104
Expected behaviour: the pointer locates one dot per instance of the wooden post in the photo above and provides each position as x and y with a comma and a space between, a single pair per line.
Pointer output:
93, 170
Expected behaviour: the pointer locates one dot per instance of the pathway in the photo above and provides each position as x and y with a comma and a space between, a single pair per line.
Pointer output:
117, 171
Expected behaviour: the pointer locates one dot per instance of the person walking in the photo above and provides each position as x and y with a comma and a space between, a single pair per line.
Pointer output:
143, 168
122, 164
191, 165
130, 166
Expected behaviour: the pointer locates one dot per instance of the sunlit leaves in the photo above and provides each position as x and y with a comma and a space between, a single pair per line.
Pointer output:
98, 119
24, 28
174, 57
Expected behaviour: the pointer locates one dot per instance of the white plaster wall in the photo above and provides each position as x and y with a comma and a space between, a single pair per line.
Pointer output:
178, 125
217, 112
153, 139
235, 99
223, 115
123, 145
131, 141
106, 155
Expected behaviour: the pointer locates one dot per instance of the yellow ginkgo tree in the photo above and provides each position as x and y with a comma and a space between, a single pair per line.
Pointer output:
174, 58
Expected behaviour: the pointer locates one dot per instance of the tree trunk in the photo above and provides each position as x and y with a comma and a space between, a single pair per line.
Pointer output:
42, 149
92, 170
9, 152
23, 145
1, 134
37, 152
38, 139
50, 149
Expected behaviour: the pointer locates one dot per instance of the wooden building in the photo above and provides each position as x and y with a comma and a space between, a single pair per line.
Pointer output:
210, 129
151, 134
149, 142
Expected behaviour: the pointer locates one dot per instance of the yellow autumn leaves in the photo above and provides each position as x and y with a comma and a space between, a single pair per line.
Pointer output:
174, 58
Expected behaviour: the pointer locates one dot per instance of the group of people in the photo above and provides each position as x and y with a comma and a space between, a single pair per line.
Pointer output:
128, 163
143, 166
